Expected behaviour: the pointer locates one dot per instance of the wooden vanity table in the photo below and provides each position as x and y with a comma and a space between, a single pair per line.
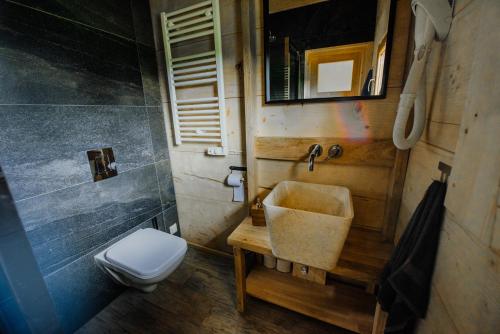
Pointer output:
346, 300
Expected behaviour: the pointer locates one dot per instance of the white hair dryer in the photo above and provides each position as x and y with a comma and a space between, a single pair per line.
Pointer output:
432, 20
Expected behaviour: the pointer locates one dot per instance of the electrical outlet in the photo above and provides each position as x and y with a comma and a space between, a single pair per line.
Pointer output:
173, 228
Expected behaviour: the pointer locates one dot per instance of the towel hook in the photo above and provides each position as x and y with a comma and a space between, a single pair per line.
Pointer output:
445, 171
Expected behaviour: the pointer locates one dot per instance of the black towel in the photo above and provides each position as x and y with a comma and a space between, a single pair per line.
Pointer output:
404, 285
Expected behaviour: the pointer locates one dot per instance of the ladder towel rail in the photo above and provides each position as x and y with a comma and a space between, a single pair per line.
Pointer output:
190, 8
194, 62
191, 29
201, 99
200, 119
193, 56
192, 36
197, 106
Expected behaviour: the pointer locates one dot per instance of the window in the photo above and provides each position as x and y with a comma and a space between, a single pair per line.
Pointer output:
335, 77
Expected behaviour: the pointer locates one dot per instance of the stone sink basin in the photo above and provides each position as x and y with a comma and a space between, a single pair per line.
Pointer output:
308, 223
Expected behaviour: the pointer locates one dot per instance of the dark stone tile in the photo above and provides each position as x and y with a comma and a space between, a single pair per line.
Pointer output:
57, 253
149, 72
165, 182
113, 16
11, 318
159, 220
80, 289
45, 59
158, 133
64, 225
31, 301
48, 60
20, 279
5, 291
141, 14
10, 222
170, 217
43, 148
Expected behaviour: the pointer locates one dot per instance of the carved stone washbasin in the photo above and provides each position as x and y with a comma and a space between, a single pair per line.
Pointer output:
308, 223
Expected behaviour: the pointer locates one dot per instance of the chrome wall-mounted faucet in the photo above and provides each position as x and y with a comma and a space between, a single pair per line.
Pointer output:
314, 151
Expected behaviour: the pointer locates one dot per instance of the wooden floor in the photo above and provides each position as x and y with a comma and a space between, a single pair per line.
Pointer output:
199, 298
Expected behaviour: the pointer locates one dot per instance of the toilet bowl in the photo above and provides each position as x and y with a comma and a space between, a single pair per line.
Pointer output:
143, 258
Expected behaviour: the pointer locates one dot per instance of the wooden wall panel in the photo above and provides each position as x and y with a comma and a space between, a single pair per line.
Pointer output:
467, 277
495, 239
438, 319
400, 41
472, 198
422, 170
357, 151
365, 168
206, 210
249, 15
369, 212
464, 131
347, 119
363, 181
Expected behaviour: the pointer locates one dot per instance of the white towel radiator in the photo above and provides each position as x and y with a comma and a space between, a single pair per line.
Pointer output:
200, 119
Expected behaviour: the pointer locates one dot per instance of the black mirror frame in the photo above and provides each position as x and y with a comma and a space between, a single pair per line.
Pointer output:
383, 95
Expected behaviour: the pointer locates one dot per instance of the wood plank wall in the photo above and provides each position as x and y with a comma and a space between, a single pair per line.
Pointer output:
280, 135
207, 213
463, 130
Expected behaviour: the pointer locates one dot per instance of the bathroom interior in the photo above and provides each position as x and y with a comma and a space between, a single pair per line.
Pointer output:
249, 166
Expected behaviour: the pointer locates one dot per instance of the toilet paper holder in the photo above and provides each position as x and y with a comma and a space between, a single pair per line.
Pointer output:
243, 169
239, 168
236, 180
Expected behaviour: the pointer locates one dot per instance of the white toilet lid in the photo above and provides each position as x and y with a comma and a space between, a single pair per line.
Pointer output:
146, 252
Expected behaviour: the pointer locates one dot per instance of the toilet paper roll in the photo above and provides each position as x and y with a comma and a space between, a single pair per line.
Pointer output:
283, 266
269, 261
235, 180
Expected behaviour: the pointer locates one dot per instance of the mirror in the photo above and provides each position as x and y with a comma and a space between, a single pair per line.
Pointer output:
327, 49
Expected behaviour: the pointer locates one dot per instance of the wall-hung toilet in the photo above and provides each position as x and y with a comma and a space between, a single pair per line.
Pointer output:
143, 258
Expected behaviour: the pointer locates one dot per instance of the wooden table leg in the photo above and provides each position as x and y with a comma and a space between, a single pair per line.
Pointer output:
379, 320
240, 274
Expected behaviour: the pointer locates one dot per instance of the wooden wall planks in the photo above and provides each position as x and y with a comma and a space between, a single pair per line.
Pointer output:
248, 17
357, 151
364, 128
207, 213
464, 131
363, 181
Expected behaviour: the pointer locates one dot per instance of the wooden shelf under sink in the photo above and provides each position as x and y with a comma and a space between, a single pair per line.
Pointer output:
361, 261
345, 305
338, 304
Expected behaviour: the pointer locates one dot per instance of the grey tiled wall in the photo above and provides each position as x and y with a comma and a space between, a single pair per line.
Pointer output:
76, 76
25, 304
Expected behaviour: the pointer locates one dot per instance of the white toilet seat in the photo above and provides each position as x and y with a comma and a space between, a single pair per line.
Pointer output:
143, 258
